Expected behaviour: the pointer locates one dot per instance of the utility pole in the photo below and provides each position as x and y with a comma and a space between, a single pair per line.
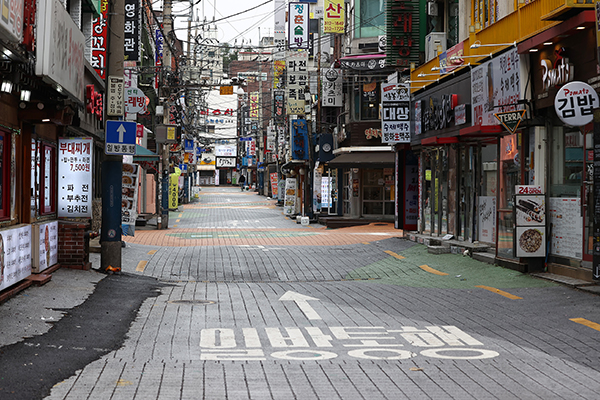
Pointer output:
163, 220
112, 166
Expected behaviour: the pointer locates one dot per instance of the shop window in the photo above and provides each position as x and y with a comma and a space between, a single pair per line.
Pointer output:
367, 100
43, 178
369, 18
4, 175
378, 192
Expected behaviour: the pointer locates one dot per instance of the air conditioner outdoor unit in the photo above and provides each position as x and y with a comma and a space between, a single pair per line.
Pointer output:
435, 43
432, 9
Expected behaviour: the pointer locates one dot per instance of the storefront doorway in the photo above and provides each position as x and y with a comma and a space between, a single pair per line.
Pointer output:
378, 193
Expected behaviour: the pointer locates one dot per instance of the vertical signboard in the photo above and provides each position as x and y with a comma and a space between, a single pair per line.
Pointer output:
332, 87
596, 205
299, 139
289, 204
402, 31
486, 222
297, 82
129, 190
75, 177
298, 29
254, 105
495, 87
395, 114
333, 19
280, 11
100, 40
132, 23
530, 221
15, 255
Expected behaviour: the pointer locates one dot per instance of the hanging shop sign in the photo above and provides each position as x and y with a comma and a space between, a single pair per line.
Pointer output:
11, 23
135, 101
15, 255
395, 114
575, 102
131, 27
299, 139
254, 105
364, 64
100, 40
75, 177
495, 87
334, 16
297, 83
298, 29
332, 85
402, 31
510, 119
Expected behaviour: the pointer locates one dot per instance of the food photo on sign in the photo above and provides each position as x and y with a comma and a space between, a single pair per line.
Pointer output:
129, 198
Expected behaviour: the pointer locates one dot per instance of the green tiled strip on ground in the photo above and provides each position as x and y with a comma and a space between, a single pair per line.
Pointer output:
406, 272
238, 235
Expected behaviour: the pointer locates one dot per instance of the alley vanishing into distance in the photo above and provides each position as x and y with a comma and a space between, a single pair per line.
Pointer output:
236, 301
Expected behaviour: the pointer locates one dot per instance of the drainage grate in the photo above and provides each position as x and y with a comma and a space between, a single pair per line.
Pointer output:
204, 302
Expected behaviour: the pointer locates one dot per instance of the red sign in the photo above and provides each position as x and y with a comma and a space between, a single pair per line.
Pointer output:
99, 40
528, 189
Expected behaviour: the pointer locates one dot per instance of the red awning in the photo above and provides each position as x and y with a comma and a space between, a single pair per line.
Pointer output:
435, 141
481, 131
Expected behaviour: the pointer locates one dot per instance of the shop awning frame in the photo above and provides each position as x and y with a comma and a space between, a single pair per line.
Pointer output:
366, 159
143, 154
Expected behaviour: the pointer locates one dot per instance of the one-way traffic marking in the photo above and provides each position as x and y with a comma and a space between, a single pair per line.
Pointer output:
302, 302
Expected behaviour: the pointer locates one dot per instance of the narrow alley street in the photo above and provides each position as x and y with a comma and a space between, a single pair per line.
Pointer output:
236, 301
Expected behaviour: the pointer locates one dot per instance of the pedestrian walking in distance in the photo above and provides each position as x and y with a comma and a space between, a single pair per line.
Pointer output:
242, 182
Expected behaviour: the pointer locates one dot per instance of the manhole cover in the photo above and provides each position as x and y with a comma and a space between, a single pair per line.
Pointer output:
205, 302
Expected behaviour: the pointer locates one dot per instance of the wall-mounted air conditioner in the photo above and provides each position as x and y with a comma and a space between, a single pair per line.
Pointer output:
435, 43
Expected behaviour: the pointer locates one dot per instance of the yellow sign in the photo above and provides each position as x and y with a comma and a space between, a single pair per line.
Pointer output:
225, 90
171, 133
333, 21
174, 189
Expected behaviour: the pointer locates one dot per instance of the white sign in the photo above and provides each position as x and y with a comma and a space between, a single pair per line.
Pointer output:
395, 114
46, 240
531, 241
566, 237
289, 204
225, 151
326, 200
11, 23
575, 102
135, 100
129, 197
332, 87
15, 255
75, 159
226, 162
298, 28
115, 98
60, 48
530, 211
487, 219
495, 87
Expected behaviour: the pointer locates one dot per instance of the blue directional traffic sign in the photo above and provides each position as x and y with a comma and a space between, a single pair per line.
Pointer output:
120, 137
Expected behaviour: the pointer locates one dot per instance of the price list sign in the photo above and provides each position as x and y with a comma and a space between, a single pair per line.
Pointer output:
75, 177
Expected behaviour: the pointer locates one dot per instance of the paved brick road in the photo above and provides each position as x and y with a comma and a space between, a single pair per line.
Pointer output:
259, 307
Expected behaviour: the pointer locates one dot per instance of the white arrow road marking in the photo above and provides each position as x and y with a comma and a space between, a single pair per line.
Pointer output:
302, 302
121, 129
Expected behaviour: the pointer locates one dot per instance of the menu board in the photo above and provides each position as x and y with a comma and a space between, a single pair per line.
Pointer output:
566, 237
75, 159
129, 196
289, 205
487, 219
530, 218
15, 255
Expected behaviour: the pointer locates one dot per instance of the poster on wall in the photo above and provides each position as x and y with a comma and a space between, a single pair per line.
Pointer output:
45, 246
15, 255
274, 185
531, 210
486, 209
75, 177
566, 237
289, 205
129, 190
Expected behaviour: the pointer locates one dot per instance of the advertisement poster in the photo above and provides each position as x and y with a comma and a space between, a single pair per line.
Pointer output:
46, 240
15, 255
274, 185
75, 177
531, 241
325, 192
129, 198
289, 205
530, 210
494, 84
566, 237
317, 196
486, 209
174, 189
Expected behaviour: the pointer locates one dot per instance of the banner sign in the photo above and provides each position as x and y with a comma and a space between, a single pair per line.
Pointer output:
278, 74
254, 105
332, 87
75, 177
297, 83
333, 21
395, 114
131, 29
274, 185
129, 190
100, 40
299, 139
298, 30
15, 255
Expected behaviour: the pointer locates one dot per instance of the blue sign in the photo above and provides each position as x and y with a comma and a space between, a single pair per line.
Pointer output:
189, 146
245, 139
120, 137
183, 168
299, 139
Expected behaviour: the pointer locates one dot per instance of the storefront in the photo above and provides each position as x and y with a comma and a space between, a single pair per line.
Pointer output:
570, 155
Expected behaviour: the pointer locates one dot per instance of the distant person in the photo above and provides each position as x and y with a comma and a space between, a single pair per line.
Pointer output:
242, 182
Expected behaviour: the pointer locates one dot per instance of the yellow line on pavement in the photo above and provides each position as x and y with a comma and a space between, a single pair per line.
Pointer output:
587, 323
175, 226
366, 243
398, 256
179, 216
500, 292
431, 270
141, 266
177, 220
152, 252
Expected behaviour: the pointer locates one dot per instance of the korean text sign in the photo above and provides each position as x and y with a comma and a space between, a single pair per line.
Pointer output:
75, 160
298, 30
395, 114
333, 22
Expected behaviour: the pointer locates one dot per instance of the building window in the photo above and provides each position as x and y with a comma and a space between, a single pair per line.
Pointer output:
4, 175
369, 18
43, 178
366, 100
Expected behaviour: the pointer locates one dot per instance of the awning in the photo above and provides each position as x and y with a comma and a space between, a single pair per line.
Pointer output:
292, 164
364, 160
143, 154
